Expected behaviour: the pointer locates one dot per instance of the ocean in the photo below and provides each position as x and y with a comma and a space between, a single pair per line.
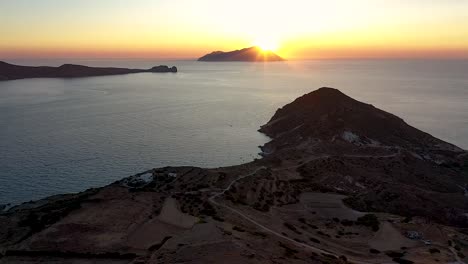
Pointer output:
67, 135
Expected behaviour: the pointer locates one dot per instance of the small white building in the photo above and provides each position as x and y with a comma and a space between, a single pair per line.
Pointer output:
413, 235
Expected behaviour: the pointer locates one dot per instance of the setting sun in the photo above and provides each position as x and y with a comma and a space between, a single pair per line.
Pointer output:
302, 29
266, 44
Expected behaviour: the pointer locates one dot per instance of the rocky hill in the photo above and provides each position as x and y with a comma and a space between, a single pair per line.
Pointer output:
12, 72
340, 182
247, 54
328, 113
398, 168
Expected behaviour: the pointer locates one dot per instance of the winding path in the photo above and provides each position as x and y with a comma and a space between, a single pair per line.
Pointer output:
271, 231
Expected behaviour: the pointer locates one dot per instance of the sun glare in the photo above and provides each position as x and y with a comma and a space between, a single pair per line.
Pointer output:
266, 44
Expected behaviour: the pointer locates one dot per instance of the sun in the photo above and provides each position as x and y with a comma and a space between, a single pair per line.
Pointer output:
266, 44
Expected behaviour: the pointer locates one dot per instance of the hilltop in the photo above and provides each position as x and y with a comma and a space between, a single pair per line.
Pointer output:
247, 54
13, 72
374, 157
340, 182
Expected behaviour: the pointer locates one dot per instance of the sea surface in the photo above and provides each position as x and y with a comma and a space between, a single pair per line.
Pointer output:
67, 135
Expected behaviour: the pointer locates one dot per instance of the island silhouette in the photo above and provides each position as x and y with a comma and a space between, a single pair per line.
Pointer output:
248, 54
12, 72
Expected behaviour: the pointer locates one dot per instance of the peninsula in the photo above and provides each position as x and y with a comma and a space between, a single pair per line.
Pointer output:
13, 72
341, 181
248, 54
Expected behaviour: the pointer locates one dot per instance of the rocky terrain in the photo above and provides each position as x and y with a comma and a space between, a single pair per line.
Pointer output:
247, 54
340, 182
13, 72
400, 169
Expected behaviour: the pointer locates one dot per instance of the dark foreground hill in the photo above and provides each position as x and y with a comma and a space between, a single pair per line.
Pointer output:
12, 72
247, 54
340, 182
400, 169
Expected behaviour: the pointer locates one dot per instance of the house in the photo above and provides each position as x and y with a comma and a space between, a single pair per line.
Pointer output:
415, 235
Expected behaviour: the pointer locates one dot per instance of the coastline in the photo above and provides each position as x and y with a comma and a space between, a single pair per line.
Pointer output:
262, 198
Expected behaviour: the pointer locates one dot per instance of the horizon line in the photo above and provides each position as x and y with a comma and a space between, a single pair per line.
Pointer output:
5, 59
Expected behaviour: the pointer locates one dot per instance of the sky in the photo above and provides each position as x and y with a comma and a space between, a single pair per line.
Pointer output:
295, 29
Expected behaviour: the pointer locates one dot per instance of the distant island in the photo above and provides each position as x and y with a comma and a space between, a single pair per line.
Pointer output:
13, 72
247, 54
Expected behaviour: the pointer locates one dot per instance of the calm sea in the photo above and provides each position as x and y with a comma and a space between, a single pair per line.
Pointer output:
66, 135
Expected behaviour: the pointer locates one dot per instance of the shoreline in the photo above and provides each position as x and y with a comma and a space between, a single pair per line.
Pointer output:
308, 198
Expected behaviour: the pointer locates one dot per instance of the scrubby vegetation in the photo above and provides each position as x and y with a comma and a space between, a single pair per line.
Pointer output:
402, 261
292, 228
369, 220
259, 234
44, 216
394, 254
314, 240
288, 252
346, 222
238, 229
217, 218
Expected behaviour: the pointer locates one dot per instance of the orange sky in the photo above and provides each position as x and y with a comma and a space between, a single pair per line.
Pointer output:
295, 29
